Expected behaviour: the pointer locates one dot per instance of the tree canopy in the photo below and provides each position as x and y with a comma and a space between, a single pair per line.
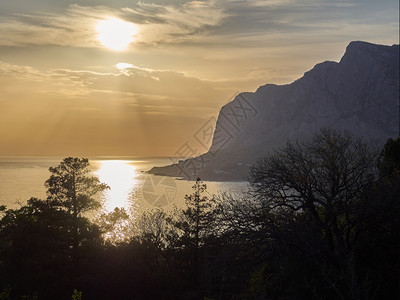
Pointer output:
322, 176
71, 187
321, 221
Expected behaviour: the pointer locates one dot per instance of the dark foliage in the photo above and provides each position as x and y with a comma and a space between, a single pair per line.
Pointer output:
322, 222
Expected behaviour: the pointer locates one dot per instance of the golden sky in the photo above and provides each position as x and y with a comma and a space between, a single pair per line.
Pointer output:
67, 89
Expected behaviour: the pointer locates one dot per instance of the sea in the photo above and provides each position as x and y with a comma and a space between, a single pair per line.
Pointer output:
131, 187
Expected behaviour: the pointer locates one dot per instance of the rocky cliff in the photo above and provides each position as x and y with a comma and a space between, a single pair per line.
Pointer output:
360, 94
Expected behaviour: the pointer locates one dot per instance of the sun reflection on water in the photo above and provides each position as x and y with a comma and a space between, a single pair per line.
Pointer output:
121, 177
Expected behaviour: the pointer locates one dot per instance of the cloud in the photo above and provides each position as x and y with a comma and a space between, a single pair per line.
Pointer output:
128, 84
301, 3
40, 110
270, 3
197, 4
175, 24
214, 40
217, 23
76, 27
17, 71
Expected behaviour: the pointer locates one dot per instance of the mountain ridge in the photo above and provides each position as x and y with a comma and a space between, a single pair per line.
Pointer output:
360, 93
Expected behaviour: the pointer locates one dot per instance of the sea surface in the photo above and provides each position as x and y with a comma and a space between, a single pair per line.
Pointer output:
23, 177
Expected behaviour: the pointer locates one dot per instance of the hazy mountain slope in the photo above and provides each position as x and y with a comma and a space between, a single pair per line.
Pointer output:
360, 93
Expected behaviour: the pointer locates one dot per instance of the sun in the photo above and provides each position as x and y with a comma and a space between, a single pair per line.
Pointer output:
115, 34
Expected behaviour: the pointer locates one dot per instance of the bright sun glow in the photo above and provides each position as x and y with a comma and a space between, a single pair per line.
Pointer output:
121, 176
115, 34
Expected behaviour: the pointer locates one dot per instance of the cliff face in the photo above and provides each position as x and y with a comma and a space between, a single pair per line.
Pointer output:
360, 94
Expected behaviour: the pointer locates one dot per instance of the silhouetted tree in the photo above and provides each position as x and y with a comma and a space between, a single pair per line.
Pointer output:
36, 249
199, 214
389, 159
310, 196
322, 222
115, 226
38, 236
152, 228
323, 177
72, 188
195, 224
378, 227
